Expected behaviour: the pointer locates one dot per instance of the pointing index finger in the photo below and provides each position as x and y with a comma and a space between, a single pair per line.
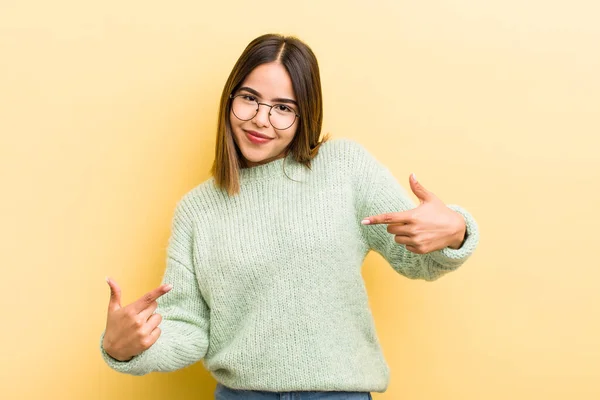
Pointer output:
388, 218
146, 300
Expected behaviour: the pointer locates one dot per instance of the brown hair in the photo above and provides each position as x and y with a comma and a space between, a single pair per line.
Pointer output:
301, 63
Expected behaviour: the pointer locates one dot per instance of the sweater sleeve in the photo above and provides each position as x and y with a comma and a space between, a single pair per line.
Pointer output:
185, 324
379, 192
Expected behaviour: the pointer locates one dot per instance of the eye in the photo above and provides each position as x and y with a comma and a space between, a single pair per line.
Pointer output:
283, 108
247, 97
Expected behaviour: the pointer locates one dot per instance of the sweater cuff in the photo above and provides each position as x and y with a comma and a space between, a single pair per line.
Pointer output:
131, 367
455, 257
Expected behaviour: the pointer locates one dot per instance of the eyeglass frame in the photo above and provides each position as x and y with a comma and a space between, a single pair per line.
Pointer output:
231, 96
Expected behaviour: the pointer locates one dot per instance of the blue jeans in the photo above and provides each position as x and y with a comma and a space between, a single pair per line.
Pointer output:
224, 393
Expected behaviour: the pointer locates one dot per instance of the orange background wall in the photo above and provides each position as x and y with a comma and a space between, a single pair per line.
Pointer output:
108, 116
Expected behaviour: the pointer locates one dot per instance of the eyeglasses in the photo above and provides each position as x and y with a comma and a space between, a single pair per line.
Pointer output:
245, 107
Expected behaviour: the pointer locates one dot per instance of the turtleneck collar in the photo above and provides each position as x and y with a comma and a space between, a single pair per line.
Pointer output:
271, 169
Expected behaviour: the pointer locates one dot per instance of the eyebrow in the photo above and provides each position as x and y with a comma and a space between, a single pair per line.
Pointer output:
277, 100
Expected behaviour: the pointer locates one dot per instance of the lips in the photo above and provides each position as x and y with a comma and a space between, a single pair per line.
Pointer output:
260, 135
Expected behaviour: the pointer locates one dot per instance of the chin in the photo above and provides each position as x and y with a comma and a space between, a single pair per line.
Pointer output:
252, 156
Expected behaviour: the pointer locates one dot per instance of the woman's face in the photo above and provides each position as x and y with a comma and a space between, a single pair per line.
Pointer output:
268, 83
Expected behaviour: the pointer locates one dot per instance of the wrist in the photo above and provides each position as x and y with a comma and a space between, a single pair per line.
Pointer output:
461, 234
112, 354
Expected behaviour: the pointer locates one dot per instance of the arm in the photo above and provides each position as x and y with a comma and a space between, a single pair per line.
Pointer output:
185, 323
379, 193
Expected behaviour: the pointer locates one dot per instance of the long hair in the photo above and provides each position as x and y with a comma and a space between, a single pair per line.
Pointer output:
300, 62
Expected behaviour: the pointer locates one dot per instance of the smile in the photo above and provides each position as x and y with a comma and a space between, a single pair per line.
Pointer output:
257, 139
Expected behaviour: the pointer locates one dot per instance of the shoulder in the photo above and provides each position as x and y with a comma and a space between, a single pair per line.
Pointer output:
348, 151
341, 146
349, 155
199, 200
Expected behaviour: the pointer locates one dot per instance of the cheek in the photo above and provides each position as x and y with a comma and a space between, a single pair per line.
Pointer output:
233, 119
293, 132
236, 129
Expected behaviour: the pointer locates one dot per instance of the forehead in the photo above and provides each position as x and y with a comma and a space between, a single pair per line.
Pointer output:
271, 80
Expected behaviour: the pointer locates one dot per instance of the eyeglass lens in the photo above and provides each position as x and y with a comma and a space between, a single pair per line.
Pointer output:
245, 107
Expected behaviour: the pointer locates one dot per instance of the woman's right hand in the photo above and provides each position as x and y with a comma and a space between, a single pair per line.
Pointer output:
134, 328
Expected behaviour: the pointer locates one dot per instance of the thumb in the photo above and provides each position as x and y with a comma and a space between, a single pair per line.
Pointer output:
115, 295
418, 189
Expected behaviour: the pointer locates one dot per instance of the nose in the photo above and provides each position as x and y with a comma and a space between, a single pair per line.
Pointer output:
262, 116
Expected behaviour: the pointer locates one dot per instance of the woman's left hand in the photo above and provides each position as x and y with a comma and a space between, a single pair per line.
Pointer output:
429, 227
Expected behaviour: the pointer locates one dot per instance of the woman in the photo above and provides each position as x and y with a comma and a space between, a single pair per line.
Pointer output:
263, 264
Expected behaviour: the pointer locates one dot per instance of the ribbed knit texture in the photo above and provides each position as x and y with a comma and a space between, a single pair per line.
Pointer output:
267, 285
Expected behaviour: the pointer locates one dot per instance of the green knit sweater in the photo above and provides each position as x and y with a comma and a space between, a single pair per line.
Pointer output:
267, 286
